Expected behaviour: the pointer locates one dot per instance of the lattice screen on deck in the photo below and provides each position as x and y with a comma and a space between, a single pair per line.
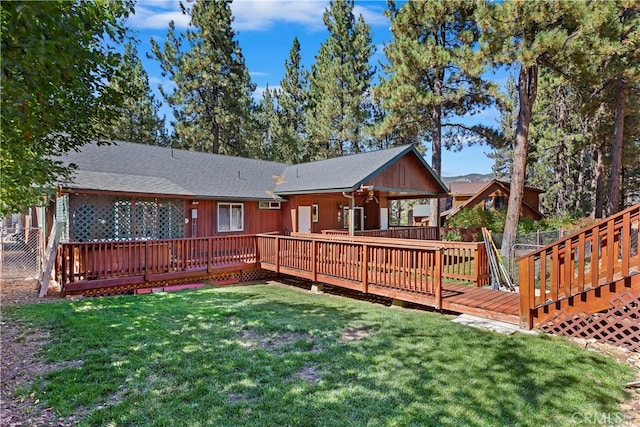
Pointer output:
99, 218
619, 325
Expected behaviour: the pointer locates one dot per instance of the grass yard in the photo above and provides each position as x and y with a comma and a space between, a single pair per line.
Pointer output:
268, 355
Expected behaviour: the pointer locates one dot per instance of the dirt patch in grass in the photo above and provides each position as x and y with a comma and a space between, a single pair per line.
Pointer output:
20, 364
355, 334
275, 343
309, 374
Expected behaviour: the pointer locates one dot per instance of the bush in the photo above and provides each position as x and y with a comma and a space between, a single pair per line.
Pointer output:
452, 236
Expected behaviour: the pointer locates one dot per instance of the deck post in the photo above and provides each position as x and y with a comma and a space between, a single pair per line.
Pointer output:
146, 261
526, 292
277, 254
365, 269
314, 260
209, 254
438, 278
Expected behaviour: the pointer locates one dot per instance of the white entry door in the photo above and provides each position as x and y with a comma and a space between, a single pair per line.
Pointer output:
304, 219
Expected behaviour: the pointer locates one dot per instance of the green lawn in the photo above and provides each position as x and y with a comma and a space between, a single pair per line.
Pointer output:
270, 355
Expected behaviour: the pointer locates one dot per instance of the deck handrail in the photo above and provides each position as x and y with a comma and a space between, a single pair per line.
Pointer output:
474, 267
415, 232
356, 264
581, 261
79, 261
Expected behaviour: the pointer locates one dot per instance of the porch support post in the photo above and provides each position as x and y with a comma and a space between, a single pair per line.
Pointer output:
438, 218
352, 216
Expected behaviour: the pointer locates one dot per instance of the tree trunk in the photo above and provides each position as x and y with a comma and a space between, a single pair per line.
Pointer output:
436, 157
561, 176
527, 90
613, 204
598, 182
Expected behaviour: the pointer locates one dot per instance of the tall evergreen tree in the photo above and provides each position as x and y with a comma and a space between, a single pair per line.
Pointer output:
137, 116
502, 154
212, 100
432, 79
339, 78
267, 122
292, 101
530, 34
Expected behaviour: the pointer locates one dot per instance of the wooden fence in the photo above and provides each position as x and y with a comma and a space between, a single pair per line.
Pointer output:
599, 255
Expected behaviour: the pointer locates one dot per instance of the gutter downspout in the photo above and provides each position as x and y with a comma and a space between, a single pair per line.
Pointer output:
351, 212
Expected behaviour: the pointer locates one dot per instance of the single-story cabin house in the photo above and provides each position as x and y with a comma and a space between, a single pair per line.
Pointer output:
492, 195
125, 191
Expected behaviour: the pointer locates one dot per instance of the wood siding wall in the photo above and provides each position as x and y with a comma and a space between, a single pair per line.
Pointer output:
255, 220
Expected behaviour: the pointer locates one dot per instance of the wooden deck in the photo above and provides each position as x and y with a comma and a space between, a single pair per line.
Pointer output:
583, 272
421, 272
484, 302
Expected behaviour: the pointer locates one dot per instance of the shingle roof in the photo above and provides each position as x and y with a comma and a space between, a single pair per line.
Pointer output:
139, 168
421, 210
345, 173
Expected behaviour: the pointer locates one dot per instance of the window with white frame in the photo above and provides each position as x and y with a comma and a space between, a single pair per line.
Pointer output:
230, 217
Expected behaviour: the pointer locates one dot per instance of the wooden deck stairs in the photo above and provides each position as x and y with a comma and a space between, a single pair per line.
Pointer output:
582, 276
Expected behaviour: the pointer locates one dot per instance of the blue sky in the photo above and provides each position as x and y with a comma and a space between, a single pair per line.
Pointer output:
265, 31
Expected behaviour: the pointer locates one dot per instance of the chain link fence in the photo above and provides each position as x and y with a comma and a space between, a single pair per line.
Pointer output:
524, 244
20, 250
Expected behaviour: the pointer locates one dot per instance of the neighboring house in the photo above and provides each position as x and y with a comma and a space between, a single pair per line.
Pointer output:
128, 191
419, 215
492, 195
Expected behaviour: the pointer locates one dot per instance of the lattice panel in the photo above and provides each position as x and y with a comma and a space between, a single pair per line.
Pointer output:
619, 325
239, 276
98, 218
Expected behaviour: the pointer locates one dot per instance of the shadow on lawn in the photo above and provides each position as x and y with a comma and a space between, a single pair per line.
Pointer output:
266, 356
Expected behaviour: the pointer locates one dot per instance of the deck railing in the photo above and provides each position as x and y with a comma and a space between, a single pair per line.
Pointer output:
585, 260
417, 233
462, 262
356, 264
102, 260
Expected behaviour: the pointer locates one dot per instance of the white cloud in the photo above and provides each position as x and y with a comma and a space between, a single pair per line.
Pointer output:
258, 74
253, 15
158, 14
372, 16
250, 15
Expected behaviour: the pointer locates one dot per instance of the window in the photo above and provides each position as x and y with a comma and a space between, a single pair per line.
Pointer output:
268, 205
499, 202
488, 203
230, 217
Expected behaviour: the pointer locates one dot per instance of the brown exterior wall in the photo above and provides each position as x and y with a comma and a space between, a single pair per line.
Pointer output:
406, 173
328, 207
255, 220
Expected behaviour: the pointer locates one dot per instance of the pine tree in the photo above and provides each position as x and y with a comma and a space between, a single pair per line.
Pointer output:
267, 122
532, 35
339, 78
292, 101
432, 78
502, 148
212, 100
137, 117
